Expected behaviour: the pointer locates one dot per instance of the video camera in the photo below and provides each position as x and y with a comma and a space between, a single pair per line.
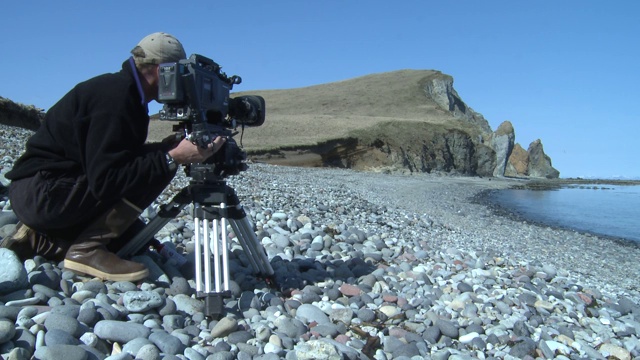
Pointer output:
195, 92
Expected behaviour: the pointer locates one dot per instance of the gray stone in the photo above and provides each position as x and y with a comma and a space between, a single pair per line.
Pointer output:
7, 330
188, 304
13, 275
121, 331
166, 342
65, 323
307, 313
57, 352
141, 301
59, 337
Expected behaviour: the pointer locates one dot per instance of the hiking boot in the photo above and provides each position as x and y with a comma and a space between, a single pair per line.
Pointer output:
92, 258
27, 243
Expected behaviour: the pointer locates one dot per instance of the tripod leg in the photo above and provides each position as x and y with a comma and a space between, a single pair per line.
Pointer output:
225, 250
215, 243
198, 253
252, 247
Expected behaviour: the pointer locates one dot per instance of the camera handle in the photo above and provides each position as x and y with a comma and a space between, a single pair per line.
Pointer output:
215, 206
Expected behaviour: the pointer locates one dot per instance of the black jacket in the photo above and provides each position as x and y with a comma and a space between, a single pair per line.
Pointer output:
99, 128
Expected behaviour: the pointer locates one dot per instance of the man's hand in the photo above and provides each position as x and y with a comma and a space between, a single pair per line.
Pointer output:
188, 153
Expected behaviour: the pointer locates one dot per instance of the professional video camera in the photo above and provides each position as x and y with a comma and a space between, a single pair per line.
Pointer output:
195, 92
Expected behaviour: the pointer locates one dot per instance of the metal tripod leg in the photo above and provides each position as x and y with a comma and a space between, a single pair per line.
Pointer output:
211, 232
251, 246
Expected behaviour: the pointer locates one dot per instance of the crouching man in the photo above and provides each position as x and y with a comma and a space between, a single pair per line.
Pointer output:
87, 173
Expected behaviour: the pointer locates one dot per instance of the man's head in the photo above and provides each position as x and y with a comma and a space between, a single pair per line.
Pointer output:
155, 49
158, 48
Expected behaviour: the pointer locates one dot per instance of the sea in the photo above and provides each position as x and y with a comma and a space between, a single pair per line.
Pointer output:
605, 210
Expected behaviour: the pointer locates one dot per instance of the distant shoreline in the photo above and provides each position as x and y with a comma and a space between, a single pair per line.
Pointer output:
485, 198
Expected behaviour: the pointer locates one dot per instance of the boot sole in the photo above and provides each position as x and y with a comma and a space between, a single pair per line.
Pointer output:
81, 268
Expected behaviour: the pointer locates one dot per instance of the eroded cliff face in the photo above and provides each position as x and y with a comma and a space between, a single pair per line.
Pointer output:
411, 148
440, 89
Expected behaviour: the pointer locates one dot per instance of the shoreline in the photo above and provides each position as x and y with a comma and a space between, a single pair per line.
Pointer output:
452, 202
484, 198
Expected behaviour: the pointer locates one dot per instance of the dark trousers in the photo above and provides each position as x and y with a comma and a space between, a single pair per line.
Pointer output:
63, 206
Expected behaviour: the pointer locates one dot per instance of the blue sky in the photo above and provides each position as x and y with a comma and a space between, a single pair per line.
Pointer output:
565, 72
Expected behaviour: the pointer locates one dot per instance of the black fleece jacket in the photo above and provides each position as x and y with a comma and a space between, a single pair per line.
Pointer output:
99, 128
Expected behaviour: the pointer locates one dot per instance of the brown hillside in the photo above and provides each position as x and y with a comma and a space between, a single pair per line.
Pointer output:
307, 116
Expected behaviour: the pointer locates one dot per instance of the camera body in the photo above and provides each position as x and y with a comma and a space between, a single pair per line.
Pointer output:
196, 92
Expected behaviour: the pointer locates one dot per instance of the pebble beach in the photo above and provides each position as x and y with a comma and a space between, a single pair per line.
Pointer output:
367, 266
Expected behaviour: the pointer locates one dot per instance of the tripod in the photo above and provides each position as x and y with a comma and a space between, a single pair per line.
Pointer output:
215, 204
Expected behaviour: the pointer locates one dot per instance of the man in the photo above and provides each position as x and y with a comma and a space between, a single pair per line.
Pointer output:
87, 173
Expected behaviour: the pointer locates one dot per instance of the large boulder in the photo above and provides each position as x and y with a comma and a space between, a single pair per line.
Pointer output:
540, 163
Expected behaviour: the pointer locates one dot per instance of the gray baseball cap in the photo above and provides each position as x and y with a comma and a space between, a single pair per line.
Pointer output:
158, 48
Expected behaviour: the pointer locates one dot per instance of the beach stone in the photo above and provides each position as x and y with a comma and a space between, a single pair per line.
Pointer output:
166, 342
240, 336
188, 304
48, 278
64, 323
168, 308
19, 353
610, 350
224, 327
120, 331
141, 301
95, 286
173, 321
133, 346
59, 337
67, 310
13, 275
366, 315
88, 314
524, 348
57, 352
7, 330
24, 339
123, 286
447, 328
148, 352
9, 312
307, 313
317, 349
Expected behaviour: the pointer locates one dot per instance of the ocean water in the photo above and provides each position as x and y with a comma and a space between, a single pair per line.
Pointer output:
605, 210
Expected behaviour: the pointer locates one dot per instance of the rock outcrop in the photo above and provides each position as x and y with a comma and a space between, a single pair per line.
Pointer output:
540, 163
440, 90
502, 142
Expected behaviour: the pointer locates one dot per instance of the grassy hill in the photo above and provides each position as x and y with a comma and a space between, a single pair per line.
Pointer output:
362, 107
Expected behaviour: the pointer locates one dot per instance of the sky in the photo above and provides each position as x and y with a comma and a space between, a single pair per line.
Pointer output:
565, 72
